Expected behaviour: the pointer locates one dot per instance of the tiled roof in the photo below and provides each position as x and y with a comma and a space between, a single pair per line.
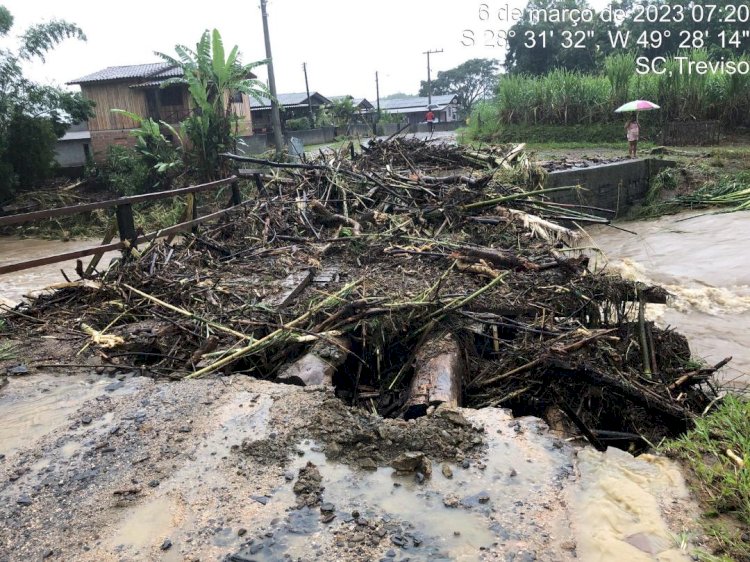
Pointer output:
156, 70
286, 100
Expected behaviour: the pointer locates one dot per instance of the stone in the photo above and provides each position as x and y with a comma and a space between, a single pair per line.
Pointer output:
453, 416
24, 500
408, 462
483, 497
241, 532
450, 500
419, 477
446, 470
166, 545
368, 464
86, 420
18, 370
327, 507
262, 500
327, 518
398, 540
114, 386
153, 483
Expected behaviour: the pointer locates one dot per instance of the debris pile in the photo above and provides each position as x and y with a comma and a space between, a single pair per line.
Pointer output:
408, 276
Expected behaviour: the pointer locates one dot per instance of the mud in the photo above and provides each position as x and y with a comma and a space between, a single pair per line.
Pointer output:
206, 470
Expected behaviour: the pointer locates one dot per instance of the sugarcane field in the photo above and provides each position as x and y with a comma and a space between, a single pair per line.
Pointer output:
504, 319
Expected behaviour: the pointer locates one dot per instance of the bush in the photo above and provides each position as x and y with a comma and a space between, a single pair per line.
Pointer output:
29, 154
124, 171
299, 124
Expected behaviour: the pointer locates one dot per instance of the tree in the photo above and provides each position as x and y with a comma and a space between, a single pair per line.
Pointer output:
32, 115
471, 81
535, 46
212, 78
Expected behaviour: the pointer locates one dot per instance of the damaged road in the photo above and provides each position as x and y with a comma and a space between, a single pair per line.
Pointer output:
215, 469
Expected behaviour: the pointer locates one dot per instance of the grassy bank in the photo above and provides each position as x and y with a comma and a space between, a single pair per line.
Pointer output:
716, 453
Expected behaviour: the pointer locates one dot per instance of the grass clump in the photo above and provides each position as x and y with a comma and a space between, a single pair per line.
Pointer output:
717, 453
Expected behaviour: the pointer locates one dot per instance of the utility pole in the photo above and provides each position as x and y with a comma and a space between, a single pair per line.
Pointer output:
429, 77
309, 101
377, 90
278, 140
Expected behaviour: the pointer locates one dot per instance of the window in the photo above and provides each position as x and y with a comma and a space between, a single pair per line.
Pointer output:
170, 96
235, 97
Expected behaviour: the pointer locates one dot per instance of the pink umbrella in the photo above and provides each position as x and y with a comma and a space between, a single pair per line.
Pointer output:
637, 105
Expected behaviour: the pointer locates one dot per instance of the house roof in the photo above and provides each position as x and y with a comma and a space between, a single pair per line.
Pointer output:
290, 100
361, 103
413, 104
155, 70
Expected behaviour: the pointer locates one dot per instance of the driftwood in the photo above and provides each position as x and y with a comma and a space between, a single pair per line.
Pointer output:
319, 365
439, 369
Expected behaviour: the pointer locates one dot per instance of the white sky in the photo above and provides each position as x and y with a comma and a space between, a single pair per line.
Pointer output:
343, 41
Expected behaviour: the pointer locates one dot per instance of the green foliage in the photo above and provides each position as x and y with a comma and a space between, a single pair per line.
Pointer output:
158, 153
212, 76
343, 111
723, 485
666, 180
299, 124
470, 81
43, 112
125, 171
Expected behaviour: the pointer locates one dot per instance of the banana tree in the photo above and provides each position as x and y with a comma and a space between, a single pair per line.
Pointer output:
212, 77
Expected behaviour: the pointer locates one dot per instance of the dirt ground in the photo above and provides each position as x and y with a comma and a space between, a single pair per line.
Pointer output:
125, 468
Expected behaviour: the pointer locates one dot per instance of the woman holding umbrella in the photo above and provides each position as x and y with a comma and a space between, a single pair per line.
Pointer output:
632, 128
633, 131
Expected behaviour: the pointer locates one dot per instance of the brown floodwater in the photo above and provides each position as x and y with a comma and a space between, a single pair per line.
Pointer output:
14, 286
703, 261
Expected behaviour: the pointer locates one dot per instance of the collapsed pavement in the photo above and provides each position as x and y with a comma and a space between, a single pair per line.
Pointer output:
414, 278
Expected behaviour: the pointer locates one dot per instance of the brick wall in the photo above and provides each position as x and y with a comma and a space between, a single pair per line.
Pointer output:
100, 140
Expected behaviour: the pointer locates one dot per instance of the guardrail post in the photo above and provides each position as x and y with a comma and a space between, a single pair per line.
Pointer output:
259, 184
236, 195
126, 224
195, 212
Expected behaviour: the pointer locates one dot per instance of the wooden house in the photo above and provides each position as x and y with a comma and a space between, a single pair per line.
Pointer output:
292, 106
138, 89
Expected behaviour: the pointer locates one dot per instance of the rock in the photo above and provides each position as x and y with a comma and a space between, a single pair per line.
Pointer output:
419, 477
241, 532
446, 470
451, 500
86, 420
513, 473
166, 545
289, 476
24, 500
185, 429
398, 540
484, 497
453, 416
407, 462
391, 553
262, 500
327, 518
355, 514
19, 370
327, 507
368, 464
153, 483
114, 386
466, 463
426, 467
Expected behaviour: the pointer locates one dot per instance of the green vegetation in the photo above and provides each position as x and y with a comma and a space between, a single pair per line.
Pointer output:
470, 81
32, 115
7, 351
717, 452
212, 77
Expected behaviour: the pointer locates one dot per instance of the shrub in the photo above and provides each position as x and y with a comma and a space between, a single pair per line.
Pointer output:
299, 124
125, 171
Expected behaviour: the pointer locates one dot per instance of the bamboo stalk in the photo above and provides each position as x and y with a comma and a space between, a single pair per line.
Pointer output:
187, 313
257, 345
513, 197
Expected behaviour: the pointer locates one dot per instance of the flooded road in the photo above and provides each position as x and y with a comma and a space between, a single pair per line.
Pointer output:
704, 262
14, 286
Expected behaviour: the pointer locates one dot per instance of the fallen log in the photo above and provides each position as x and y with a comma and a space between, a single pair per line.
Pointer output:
319, 365
439, 369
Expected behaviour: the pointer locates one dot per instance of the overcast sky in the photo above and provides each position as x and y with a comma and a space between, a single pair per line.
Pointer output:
343, 41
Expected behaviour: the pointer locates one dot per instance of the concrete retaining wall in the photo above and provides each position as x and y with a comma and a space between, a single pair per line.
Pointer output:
618, 186
439, 127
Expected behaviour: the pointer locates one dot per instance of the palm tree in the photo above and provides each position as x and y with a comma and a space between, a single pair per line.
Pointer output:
212, 79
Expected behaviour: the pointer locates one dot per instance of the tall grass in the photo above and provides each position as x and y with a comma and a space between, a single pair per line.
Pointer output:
564, 97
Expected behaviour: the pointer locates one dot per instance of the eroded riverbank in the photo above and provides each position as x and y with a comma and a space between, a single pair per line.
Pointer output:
702, 260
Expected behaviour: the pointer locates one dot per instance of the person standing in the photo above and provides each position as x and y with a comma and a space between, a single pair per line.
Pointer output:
633, 132
430, 118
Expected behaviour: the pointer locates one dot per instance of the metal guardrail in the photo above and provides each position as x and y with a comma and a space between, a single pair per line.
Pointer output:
125, 223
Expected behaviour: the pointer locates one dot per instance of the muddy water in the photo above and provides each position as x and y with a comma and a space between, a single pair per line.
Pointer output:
32, 406
14, 286
704, 262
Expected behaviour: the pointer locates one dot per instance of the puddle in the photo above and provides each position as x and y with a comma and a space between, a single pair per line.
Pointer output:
617, 515
34, 405
147, 525
494, 499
